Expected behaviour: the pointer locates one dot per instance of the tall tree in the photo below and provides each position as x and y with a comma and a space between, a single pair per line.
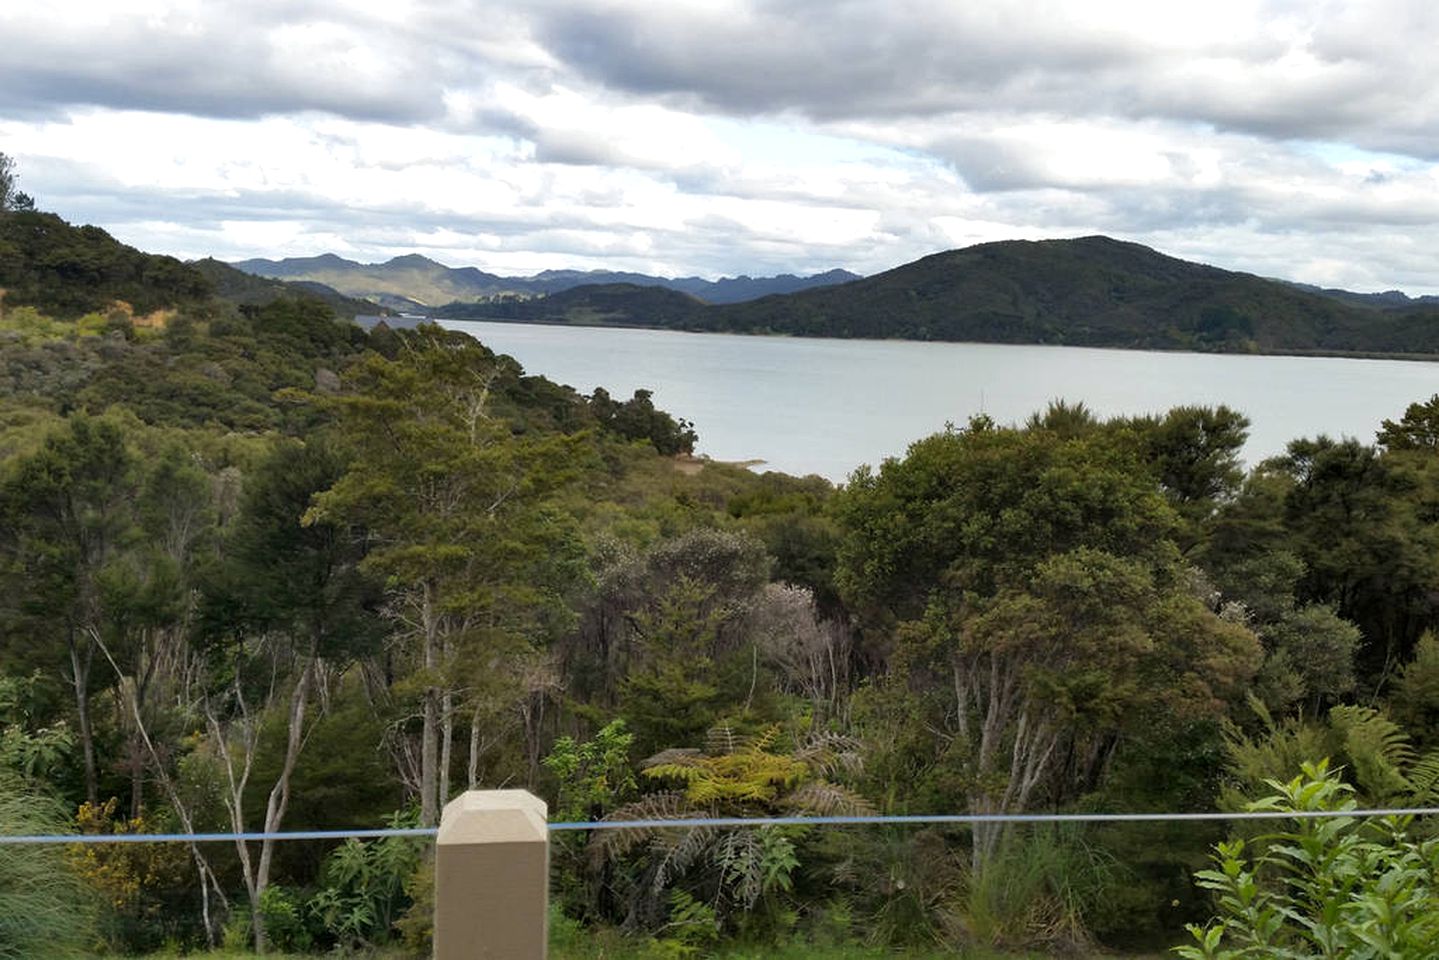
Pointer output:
285, 606
11, 197
68, 512
1029, 588
447, 494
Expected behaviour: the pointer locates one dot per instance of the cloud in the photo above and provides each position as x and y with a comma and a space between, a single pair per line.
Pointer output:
1353, 70
724, 136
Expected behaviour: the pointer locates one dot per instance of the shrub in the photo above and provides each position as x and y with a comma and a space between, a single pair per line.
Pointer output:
1335, 886
44, 907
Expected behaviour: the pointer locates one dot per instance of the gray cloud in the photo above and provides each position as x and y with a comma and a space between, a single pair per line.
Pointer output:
1021, 118
1353, 71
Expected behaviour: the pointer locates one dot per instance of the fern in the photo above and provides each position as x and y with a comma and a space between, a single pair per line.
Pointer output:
734, 777
1424, 779
1378, 749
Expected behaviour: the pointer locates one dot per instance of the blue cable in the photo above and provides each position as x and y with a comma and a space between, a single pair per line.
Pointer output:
836, 821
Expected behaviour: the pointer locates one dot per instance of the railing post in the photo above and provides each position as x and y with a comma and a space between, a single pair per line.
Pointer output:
492, 875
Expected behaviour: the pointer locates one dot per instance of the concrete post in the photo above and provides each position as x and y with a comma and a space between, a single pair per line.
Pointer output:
492, 877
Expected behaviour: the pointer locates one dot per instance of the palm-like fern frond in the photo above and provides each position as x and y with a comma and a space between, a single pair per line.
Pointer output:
820, 798
1378, 748
1424, 779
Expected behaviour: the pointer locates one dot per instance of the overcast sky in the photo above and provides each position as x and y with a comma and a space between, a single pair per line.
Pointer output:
716, 137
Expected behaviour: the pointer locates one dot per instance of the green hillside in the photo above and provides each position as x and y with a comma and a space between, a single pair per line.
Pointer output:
244, 288
1091, 291
68, 271
609, 304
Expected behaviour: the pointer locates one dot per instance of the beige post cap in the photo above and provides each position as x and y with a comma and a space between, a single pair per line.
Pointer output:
492, 872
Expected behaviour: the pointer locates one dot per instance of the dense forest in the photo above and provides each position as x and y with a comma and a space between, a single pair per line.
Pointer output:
1089, 291
265, 570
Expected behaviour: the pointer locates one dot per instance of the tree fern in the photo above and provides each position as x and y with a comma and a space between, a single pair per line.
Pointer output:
1423, 777
1377, 748
733, 777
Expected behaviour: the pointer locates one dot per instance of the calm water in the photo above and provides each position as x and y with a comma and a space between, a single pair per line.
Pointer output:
826, 406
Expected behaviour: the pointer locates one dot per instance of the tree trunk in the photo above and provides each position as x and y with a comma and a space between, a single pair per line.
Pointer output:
280, 793
430, 715
80, 676
447, 741
472, 779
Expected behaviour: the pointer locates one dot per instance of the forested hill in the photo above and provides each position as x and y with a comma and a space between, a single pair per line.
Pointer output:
244, 288
415, 281
66, 271
1091, 291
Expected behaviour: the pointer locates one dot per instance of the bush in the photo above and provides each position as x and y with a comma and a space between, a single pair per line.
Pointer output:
282, 911
1330, 887
363, 892
44, 907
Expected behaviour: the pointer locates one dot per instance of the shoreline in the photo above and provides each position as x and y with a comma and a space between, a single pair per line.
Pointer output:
1299, 352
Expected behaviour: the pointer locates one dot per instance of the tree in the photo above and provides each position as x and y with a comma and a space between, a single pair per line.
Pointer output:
1194, 452
1030, 588
68, 512
285, 606
452, 504
1362, 522
11, 197
1418, 429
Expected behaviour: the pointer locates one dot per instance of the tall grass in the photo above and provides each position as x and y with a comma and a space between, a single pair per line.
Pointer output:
45, 910
1040, 890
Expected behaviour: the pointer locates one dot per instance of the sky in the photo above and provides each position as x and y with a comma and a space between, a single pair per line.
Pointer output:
720, 137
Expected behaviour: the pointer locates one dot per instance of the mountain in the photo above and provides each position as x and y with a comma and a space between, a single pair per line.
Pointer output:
414, 281
1388, 300
244, 288
1090, 291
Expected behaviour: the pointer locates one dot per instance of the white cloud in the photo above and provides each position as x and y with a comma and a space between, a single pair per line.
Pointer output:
720, 136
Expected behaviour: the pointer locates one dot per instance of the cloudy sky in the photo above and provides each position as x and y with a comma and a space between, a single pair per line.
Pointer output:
1294, 139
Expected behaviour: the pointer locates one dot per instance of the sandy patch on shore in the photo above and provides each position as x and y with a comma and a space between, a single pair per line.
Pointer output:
689, 464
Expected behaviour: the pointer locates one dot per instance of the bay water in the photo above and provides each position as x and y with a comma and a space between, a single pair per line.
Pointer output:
825, 406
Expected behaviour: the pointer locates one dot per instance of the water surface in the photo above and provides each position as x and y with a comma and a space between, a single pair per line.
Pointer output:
811, 405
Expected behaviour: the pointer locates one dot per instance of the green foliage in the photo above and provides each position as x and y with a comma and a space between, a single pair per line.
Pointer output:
748, 874
283, 912
362, 892
1418, 429
68, 271
1416, 691
1044, 888
1327, 887
593, 776
637, 419
46, 911
1379, 758
34, 752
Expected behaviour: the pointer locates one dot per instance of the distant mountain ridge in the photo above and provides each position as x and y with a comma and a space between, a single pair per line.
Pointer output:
245, 288
1089, 291
1387, 300
414, 281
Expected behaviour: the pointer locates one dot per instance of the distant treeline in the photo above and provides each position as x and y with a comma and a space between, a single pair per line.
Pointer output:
1092, 291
